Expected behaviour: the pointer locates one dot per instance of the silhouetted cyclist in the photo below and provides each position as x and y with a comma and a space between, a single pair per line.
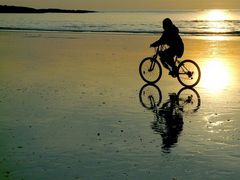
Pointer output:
174, 43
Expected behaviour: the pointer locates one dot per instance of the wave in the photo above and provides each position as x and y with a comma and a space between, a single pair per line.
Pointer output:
232, 33
203, 21
185, 33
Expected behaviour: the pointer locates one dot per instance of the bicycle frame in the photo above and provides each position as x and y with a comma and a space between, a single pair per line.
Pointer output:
176, 61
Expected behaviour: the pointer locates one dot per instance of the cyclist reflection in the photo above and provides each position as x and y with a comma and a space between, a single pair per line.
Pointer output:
168, 121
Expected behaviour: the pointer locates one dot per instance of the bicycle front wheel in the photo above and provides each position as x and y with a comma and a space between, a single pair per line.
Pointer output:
150, 70
150, 96
189, 73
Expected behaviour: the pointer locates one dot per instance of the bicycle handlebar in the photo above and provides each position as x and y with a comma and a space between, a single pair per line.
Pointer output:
157, 48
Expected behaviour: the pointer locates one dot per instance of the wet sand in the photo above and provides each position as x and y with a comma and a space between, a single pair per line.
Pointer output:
70, 109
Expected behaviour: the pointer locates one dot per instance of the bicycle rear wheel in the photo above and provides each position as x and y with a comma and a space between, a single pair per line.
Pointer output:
150, 70
189, 73
189, 100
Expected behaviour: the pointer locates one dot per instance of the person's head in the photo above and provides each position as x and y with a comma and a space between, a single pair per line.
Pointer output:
167, 23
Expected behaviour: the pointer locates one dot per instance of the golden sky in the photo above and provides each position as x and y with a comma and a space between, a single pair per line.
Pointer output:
127, 4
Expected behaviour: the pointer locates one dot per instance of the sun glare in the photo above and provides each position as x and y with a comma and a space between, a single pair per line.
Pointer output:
216, 15
216, 76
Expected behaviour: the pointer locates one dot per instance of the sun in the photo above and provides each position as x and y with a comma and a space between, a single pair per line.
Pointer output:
216, 15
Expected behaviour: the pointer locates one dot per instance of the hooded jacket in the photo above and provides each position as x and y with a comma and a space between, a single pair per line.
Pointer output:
171, 37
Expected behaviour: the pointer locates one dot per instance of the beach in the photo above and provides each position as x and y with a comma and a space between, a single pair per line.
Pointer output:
70, 109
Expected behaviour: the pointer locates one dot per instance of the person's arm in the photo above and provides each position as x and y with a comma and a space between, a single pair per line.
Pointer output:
156, 43
160, 41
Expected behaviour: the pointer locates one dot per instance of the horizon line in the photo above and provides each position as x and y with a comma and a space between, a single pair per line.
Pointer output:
124, 9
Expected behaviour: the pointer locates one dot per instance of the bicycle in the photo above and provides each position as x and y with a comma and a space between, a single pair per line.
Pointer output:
188, 71
187, 99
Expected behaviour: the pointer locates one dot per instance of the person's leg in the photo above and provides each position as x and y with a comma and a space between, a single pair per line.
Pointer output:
168, 58
171, 63
165, 64
170, 53
163, 58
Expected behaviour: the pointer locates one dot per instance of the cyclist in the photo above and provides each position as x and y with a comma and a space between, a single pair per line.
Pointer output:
173, 46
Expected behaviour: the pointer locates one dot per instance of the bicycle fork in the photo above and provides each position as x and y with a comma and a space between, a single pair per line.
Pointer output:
152, 65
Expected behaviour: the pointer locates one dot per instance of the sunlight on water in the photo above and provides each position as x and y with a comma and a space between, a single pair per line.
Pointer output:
216, 27
216, 15
216, 20
216, 38
216, 76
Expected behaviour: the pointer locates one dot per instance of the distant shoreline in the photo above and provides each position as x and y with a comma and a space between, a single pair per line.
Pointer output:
20, 9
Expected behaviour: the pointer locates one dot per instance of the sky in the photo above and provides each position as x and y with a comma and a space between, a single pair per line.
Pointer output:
126, 4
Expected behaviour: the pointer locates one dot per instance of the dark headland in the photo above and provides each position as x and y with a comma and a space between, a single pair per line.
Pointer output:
19, 9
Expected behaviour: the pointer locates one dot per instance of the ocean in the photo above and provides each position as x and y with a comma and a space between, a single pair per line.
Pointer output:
190, 22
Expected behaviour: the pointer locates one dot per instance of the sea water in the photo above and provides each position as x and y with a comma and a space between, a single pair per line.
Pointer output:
190, 22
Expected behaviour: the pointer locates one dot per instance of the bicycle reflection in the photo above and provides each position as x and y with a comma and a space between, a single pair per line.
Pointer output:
168, 119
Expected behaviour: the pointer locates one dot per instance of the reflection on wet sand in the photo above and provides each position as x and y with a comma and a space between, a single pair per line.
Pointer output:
168, 116
218, 69
216, 75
